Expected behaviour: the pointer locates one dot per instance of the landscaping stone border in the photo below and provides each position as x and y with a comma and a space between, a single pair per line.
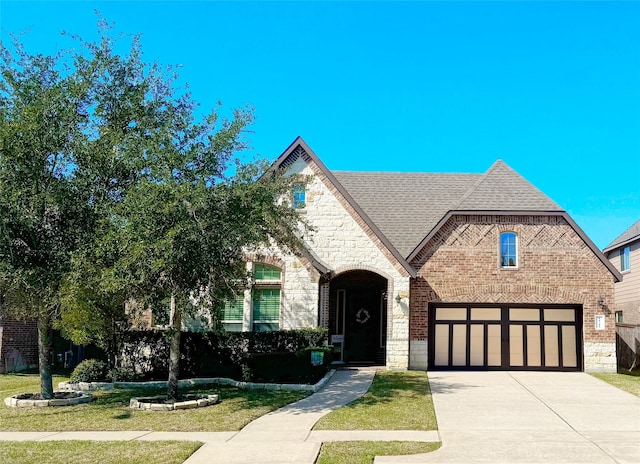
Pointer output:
14, 402
148, 404
92, 386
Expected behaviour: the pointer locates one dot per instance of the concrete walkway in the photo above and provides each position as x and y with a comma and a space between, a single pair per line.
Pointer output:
530, 417
282, 436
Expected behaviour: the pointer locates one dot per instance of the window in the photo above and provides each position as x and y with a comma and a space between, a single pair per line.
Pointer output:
624, 259
508, 249
619, 317
266, 309
232, 314
266, 272
299, 196
266, 297
263, 312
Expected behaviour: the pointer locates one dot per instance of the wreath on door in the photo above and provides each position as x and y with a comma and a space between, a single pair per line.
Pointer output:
362, 316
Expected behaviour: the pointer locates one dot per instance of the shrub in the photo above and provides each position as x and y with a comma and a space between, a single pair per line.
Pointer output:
286, 367
89, 370
212, 354
122, 374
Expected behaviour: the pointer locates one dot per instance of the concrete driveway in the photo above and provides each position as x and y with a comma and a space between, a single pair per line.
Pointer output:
531, 417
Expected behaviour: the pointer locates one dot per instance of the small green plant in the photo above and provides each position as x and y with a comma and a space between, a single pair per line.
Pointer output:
89, 370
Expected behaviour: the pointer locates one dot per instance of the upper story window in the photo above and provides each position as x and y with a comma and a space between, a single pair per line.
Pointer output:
266, 272
299, 196
508, 249
624, 259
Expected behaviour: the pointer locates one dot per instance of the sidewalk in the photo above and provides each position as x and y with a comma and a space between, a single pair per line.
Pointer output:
282, 436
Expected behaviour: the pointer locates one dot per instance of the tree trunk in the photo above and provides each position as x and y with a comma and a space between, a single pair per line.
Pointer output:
44, 356
174, 350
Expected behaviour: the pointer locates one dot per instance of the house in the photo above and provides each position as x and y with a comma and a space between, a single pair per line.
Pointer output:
18, 345
624, 254
437, 271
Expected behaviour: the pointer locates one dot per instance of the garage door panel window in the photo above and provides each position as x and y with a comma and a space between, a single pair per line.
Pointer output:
560, 315
442, 345
551, 344
494, 345
534, 348
485, 314
569, 358
459, 357
451, 314
524, 314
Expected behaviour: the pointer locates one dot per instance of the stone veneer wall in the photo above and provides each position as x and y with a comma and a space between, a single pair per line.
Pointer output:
343, 242
461, 264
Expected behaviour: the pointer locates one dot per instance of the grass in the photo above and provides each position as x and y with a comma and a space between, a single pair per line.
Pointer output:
363, 452
87, 452
397, 400
627, 381
110, 410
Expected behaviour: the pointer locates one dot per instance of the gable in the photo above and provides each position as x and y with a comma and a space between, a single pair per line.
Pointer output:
503, 189
299, 158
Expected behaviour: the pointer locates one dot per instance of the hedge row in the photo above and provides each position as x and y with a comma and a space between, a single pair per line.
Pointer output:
241, 356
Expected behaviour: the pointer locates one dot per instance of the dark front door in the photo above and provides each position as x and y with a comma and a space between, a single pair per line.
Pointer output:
362, 326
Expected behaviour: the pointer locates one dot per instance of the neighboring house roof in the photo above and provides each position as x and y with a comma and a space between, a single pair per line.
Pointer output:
404, 210
630, 235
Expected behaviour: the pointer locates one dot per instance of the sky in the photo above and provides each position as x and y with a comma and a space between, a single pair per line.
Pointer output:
551, 88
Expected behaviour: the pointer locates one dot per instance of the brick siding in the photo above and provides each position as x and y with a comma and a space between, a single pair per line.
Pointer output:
461, 264
18, 344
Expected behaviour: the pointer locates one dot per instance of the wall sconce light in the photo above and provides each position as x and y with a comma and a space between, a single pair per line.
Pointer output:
398, 298
600, 301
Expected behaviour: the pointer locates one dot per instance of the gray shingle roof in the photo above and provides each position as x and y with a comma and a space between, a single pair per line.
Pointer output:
627, 236
407, 206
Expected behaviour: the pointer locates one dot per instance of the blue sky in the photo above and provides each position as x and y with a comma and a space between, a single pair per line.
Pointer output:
552, 88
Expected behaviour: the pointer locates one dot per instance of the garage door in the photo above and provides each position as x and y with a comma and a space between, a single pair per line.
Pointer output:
505, 337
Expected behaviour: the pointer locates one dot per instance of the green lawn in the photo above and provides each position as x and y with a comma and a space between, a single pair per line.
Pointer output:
397, 400
90, 452
627, 381
110, 410
363, 452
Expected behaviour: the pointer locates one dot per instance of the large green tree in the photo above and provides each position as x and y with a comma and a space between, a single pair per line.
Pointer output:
113, 190
43, 216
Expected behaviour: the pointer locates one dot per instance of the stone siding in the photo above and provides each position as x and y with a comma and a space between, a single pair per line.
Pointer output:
461, 264
342, 241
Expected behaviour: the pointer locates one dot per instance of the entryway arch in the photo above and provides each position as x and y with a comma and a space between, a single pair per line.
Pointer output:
358, 313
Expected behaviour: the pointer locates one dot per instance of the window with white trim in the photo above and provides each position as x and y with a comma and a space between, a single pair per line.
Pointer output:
624, 259
508, 250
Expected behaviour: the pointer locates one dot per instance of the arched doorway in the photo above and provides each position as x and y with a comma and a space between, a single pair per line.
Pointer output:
358, 312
